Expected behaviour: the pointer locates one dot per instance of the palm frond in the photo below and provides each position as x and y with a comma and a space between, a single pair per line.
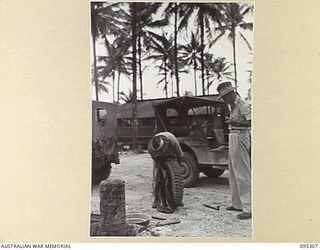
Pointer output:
217, 38
159, 23
246, 41
246, 26
102, 87
185, 19
162, 80
247, 9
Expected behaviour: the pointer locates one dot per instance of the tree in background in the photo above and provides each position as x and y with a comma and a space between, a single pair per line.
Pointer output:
116, 60
102, 83
206, 13
173, 9
134, 23
191, 55
217, 70
249, 95
102, 23
145, 23
97, 26
234, 22
126, 97
161, 50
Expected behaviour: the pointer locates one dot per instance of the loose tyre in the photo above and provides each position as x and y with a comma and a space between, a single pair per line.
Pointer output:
189, 169
212, 172
176, 181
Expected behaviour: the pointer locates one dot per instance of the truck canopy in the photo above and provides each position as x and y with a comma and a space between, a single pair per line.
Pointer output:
183, 104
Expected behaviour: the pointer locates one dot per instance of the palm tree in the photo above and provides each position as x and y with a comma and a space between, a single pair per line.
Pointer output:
234, 21
102, 23
249, 95
116, 60
133, 13
131, 20
104, 72
102, 84
191, 55
127, 97
165, 80
161, 49
166, 69
205, 12
216, 69
145, 20
96, 28
173, 9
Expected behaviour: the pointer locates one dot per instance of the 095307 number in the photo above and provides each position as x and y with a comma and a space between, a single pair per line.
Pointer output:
309, 245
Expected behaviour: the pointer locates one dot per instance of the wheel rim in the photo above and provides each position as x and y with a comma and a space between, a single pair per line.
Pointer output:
185, 169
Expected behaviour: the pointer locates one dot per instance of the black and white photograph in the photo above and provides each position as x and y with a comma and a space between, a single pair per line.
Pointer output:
152, 122
171, 119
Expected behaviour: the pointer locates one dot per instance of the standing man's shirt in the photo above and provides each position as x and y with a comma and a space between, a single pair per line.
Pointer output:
240, 111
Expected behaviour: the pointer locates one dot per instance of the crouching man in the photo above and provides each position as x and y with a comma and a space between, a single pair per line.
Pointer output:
167, 177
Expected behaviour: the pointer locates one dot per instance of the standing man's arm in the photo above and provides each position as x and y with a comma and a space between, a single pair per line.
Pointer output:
245, 111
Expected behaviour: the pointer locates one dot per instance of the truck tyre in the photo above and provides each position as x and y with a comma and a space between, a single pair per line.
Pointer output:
176, 180
212, 172
189, 169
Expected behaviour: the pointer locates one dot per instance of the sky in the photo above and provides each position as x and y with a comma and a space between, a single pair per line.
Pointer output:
222, 48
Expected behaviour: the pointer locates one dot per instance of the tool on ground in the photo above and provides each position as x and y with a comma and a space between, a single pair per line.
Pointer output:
157, 218
170, 222
208, 206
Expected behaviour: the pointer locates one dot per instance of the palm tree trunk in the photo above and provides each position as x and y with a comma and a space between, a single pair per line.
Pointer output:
113, 87
140, 68
195, 77
176, 47
202, 54
166, 89
234, 56
118, 85
134, 76
165, 80
208, 86
172, 92
95, 72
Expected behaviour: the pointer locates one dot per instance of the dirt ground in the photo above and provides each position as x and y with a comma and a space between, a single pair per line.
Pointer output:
195, 219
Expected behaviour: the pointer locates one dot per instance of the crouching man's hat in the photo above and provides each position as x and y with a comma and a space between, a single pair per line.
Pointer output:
224, 88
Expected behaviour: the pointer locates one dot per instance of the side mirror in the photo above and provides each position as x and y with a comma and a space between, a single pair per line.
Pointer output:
100, 116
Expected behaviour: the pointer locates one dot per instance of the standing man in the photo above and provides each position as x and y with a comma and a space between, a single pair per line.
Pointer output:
239, 150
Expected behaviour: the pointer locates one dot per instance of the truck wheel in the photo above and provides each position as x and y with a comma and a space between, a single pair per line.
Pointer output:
212, 172
101, 174
189, 169
176, 181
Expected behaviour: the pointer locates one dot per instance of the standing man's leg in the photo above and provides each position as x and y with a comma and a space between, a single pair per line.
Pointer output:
235, 196
243, 170
156, 184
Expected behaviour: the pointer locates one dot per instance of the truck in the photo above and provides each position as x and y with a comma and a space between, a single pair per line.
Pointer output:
200, 128
104, 140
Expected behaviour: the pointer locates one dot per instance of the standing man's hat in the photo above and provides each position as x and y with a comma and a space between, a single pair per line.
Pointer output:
225, 88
